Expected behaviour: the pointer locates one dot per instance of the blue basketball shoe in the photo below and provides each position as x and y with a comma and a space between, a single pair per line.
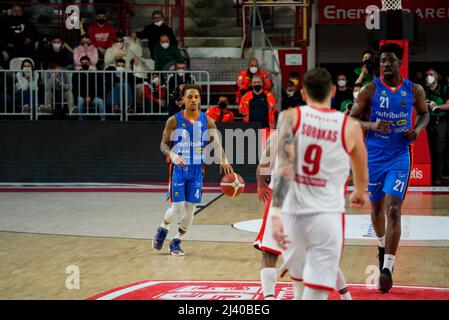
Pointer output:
175, 248
159, 238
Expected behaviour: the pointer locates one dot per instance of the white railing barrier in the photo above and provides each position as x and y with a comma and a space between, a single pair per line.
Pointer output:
81, 94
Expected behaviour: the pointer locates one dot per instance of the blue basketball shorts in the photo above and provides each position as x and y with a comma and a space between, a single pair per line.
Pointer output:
185, 184
389, 172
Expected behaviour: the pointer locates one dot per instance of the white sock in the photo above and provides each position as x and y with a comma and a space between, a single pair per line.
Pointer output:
314, 294
381, 241
346, 296
298, 290
268, 278
389, 262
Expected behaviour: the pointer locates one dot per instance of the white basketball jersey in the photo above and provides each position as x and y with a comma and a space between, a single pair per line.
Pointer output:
322, 163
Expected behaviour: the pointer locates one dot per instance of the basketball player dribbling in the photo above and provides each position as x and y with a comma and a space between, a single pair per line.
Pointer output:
389, 100
316, 146
265, 241
188, 130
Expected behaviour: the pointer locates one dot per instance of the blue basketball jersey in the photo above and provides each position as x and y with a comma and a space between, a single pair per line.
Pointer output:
191, 138
396, 107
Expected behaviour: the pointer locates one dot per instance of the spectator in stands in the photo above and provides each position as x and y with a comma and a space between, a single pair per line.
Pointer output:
437, 98
85, 48
56, 53
343, 92
154, 94
154, 31
119, 86
346, 105
101, 33
123, 50
27, 87
174, 81
20, 35
244, 79
258, 105
58, 94
367, 72
291, 97
166, 53
219, 113
88, 90
116, 51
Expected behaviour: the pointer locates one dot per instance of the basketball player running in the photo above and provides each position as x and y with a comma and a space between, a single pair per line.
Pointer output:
265, 241
187, 130
317, 145
390, 102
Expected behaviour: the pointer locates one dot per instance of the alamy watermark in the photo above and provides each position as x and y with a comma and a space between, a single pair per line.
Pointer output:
72, 282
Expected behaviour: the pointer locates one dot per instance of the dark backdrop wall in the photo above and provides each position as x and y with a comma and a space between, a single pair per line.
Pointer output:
88, 151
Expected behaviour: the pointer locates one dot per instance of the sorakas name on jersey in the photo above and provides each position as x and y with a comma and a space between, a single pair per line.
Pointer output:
319, 134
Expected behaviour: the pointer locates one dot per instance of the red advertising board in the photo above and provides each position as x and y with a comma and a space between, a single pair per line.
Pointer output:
354, 11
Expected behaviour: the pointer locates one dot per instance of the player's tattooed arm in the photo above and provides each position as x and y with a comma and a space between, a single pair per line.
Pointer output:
170, 126
422, 112
286, 157
362, 105
215, 140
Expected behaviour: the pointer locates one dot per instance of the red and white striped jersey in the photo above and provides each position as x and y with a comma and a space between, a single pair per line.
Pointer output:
322, 163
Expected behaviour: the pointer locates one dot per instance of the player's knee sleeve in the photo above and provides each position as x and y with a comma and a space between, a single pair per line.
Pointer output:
314, 294
175, 211
187, 219
341, 281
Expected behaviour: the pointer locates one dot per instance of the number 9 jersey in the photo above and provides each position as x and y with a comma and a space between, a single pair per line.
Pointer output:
322, 163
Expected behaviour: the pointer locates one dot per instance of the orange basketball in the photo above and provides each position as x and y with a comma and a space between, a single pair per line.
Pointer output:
232, 184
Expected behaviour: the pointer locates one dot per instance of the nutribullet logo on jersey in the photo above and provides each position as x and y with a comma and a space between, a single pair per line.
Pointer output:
241, 146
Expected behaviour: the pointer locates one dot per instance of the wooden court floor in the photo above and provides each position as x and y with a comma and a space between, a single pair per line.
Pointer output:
33, 266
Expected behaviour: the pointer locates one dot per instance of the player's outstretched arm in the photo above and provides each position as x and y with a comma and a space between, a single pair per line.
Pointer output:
361, 105
359, 160
422, 113
215, 140
170, 126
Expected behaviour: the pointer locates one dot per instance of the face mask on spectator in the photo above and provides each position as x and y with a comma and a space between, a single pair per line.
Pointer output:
155, 81
341, 83
101, 21
120, 69
159, 23
27, 69
85, 66
290, 93
57, 46
181, 72
430, 79
119, 45
253, 69
165, 45
356, 94
222, 105
257, 87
